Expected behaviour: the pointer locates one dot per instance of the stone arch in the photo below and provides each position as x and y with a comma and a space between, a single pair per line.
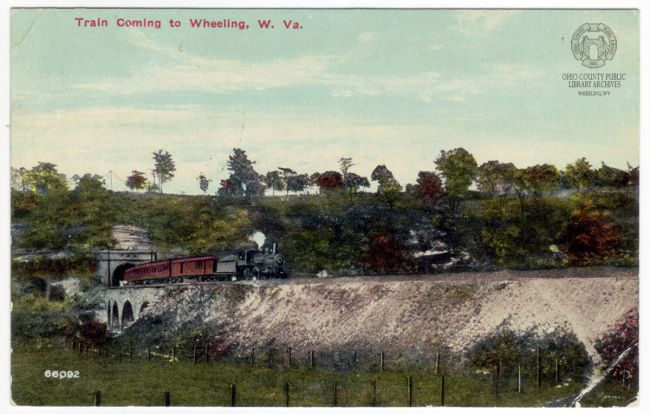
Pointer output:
115, 317
143, 306
118, 273
127, 314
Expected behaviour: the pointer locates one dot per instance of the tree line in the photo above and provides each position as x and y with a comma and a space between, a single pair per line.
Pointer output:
455, 172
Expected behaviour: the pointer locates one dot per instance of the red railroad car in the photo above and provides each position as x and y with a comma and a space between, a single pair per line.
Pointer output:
173, 270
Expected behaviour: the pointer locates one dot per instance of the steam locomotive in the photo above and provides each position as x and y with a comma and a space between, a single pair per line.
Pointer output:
248, 264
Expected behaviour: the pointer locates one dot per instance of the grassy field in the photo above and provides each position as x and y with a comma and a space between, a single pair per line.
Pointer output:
141, 383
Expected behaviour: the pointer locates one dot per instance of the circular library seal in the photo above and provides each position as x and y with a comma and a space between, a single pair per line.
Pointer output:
593, 44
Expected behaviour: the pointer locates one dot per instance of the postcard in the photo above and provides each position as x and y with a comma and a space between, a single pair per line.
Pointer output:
324, 207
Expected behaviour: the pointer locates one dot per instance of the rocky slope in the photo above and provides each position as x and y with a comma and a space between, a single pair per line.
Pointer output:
396, 313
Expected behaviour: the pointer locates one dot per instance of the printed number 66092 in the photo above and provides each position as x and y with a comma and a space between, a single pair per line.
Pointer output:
61, 374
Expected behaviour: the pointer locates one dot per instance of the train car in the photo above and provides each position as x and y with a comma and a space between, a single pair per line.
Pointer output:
244, 264
173, 270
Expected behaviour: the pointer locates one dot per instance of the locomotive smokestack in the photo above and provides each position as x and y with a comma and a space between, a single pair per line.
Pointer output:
274, 246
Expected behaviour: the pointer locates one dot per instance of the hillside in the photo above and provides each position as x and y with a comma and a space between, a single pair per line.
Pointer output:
396, 314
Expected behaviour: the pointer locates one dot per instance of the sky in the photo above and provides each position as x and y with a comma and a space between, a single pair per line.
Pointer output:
391, 87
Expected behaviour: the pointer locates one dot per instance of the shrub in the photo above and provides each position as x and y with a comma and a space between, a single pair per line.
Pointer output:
624, 335
592, 236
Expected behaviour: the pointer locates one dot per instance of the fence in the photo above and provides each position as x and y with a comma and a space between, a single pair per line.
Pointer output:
429, 387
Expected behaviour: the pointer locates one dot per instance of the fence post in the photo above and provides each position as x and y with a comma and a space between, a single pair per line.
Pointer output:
311, 359
519, 378
286, 394
270, 356
336, 386
354, 360
374, 393
168, 399
410, 391
442, 390
539, 371
289, 357
557, 371
98, 398
437, 363
381, 361
173, 354
496, 380
194, 355
148, 355
253, 356
233, 395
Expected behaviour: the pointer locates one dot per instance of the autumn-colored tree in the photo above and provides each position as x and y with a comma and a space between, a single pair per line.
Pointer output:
592, 235
623, 337
136, 181
93, 333
225, 188
329, 181
428, 188
386, 253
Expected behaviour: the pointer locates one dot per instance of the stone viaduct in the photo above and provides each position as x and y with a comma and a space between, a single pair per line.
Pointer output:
123, 306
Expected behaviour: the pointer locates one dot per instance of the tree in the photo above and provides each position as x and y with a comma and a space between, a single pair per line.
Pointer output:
354, 181
381, 174
243, 180
458, 168
428, 188
164, 167
18, 179
389, 189
136, 181
345, 164
592, 236
274, 181
88, 182
579, 174
607, 176
44, 178
298, 182
204, 182
287, 173
386, 253
328, 181
539, 179
495, 177
623, 337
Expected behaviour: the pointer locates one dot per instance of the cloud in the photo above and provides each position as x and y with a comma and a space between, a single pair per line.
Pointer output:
188, 72
478, 22
368, 37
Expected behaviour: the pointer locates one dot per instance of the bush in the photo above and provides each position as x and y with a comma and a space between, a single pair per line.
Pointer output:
592, 236
624, 335
510, 349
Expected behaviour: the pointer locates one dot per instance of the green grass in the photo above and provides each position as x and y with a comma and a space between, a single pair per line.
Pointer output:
611, 393
143, 383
